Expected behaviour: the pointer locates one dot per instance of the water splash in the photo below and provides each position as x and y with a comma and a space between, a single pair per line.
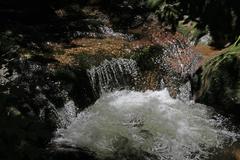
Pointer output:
179, 57
149, 126
103, 32
68, 113
113, 74
185, 92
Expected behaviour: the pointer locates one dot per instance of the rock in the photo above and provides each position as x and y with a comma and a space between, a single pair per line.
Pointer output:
172, 64
229, 153
64, 152
34, 101
217, 83
3, 75
206, 39
137, 21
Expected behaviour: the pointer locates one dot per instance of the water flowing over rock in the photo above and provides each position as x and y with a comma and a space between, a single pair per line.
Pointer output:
68, 113
180, 58
150, 125
98, 30
178, 64
54, 75
172, 64
185, 92
113, 74
103, 32
36, 91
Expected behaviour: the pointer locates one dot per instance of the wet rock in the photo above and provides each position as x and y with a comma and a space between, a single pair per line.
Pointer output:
44, 91
137, 21
65, 152
206, 39
34, 101
217, 83
77, 83
3, 75
172, 64
229, 153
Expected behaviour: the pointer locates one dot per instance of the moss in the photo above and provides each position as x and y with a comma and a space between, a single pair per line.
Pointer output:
146, 57
220, 80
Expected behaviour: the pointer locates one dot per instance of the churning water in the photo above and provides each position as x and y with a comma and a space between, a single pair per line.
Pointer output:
147, 125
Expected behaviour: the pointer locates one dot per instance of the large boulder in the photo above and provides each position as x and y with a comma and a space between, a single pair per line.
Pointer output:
217, 83
36, 97
170, 65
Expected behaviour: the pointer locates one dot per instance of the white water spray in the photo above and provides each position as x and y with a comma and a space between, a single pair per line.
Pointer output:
113, 74
126, 125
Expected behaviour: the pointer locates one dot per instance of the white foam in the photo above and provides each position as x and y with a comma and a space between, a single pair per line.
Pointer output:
126, 123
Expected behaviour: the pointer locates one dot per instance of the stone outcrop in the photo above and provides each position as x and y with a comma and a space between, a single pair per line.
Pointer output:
36, 97
217, 83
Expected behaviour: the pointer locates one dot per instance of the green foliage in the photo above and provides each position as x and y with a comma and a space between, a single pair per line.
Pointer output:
205, 13
220, 79
190, 30
236, 45
167, 11
154, 3
213, 64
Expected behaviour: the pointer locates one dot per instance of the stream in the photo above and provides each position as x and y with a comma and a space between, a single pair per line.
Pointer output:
127, 123
119, 80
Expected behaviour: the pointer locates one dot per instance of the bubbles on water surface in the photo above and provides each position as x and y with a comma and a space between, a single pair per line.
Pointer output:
149, 125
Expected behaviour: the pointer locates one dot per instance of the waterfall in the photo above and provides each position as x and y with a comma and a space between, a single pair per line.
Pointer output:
103, 32
129, 125
68, 113
113, 74
61, 117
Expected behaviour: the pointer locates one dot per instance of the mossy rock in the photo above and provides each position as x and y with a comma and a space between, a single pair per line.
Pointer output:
147, 57
87, 61
219, 81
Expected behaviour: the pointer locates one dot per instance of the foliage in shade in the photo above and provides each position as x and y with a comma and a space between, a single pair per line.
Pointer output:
204, 12
220, 80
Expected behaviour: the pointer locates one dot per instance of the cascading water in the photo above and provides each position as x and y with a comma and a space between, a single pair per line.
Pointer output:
179, 56
113, 74
103, 32
150, 125
68, 113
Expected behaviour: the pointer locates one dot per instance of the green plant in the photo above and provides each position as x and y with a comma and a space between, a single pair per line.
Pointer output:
167, 11
215, 66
